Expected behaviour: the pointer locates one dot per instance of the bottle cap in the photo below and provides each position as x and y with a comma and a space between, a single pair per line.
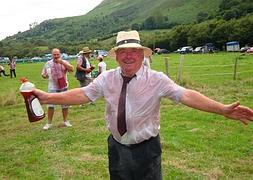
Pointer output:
23, 80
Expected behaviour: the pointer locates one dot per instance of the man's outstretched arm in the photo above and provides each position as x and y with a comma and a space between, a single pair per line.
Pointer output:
71, 97
234, 111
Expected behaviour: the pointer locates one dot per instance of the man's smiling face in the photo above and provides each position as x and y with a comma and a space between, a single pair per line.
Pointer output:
130, 60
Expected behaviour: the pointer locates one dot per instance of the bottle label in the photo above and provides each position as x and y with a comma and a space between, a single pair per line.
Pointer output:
36, 107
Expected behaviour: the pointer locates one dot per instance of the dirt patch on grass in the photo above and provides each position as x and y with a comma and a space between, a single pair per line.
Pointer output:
90, 158
212, 174
9, 99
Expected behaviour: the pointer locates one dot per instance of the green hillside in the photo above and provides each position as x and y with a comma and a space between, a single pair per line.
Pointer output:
113, 15
166, 23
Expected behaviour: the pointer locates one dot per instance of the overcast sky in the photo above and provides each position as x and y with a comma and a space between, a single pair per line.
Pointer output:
16, 15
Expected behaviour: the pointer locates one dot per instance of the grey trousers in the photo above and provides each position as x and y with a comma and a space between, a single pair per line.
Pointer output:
85, 82
135, 162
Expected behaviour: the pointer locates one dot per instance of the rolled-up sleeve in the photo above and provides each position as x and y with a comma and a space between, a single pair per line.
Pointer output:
170, 89
95, 89
79, 60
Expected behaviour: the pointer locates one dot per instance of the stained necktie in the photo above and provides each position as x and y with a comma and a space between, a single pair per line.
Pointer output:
121, 118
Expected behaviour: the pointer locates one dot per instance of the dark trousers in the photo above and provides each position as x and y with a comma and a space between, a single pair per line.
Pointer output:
135, 162
12, 72
3, 71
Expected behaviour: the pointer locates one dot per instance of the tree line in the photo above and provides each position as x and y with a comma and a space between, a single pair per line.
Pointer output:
217, 31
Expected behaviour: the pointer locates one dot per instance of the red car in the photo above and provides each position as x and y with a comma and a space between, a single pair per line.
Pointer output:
250, 50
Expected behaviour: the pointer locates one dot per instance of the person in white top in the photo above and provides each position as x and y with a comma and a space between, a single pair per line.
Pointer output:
133, 94
55, 71
101, 64
2, 71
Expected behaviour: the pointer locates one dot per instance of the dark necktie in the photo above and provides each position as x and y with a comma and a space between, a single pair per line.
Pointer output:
121, 119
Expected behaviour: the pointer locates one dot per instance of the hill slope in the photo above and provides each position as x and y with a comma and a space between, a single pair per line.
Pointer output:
176, 23
113, 15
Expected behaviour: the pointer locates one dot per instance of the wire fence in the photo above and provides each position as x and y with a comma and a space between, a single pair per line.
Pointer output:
234, 69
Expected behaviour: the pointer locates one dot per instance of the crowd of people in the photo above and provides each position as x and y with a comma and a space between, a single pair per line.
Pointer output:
133, 92
55, 70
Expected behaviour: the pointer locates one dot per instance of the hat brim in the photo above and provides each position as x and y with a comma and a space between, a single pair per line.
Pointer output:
147, 51
86, 52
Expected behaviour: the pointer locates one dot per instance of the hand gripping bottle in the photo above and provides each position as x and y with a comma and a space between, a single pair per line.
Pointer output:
33, 106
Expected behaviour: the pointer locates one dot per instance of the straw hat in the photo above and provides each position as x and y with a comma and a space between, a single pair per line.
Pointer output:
129, 39
85, 50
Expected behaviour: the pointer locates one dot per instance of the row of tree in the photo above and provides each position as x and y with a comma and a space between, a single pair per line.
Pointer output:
217, 31
230, 9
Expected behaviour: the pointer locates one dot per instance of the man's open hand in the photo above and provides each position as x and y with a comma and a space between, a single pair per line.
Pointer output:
237, 112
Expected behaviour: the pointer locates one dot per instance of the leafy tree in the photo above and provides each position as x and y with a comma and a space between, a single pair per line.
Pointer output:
149, 23
230, 14
202, 16
136, 26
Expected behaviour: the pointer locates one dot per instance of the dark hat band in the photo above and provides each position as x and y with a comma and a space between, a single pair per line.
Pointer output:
127, 41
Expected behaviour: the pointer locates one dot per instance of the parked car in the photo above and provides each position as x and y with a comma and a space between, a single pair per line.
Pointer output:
177, 51
65, 56
210, 48
4, 59
244, 49
100, 52
186, 49
48, 56
250, 50
163, 51
199, 49
36, 58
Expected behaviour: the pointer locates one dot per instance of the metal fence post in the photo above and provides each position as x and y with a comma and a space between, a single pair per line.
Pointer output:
167, 66
180, 69
235, 68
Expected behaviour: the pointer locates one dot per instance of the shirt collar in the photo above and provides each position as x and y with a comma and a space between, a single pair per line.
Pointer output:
138, 73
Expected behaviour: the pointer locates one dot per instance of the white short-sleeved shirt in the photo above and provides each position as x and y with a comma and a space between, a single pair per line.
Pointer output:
144, 93
102, 65
54, 71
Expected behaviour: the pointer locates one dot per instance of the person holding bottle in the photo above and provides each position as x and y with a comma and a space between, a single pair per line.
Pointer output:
55, 71
133, 94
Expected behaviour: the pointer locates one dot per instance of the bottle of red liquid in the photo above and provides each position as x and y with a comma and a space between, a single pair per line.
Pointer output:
33, 106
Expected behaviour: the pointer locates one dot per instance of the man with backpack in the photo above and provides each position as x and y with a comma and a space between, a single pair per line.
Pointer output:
84, 67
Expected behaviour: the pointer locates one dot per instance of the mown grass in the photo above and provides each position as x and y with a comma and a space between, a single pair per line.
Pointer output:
196, 145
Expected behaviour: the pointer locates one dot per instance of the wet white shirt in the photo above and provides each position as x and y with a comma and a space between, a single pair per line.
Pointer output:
144, 93
54, 71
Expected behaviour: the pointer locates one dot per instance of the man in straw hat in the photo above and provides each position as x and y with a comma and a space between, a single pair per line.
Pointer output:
84, 67
133, 94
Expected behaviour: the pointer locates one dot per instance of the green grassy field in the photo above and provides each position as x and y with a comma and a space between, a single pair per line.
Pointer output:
196, 145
